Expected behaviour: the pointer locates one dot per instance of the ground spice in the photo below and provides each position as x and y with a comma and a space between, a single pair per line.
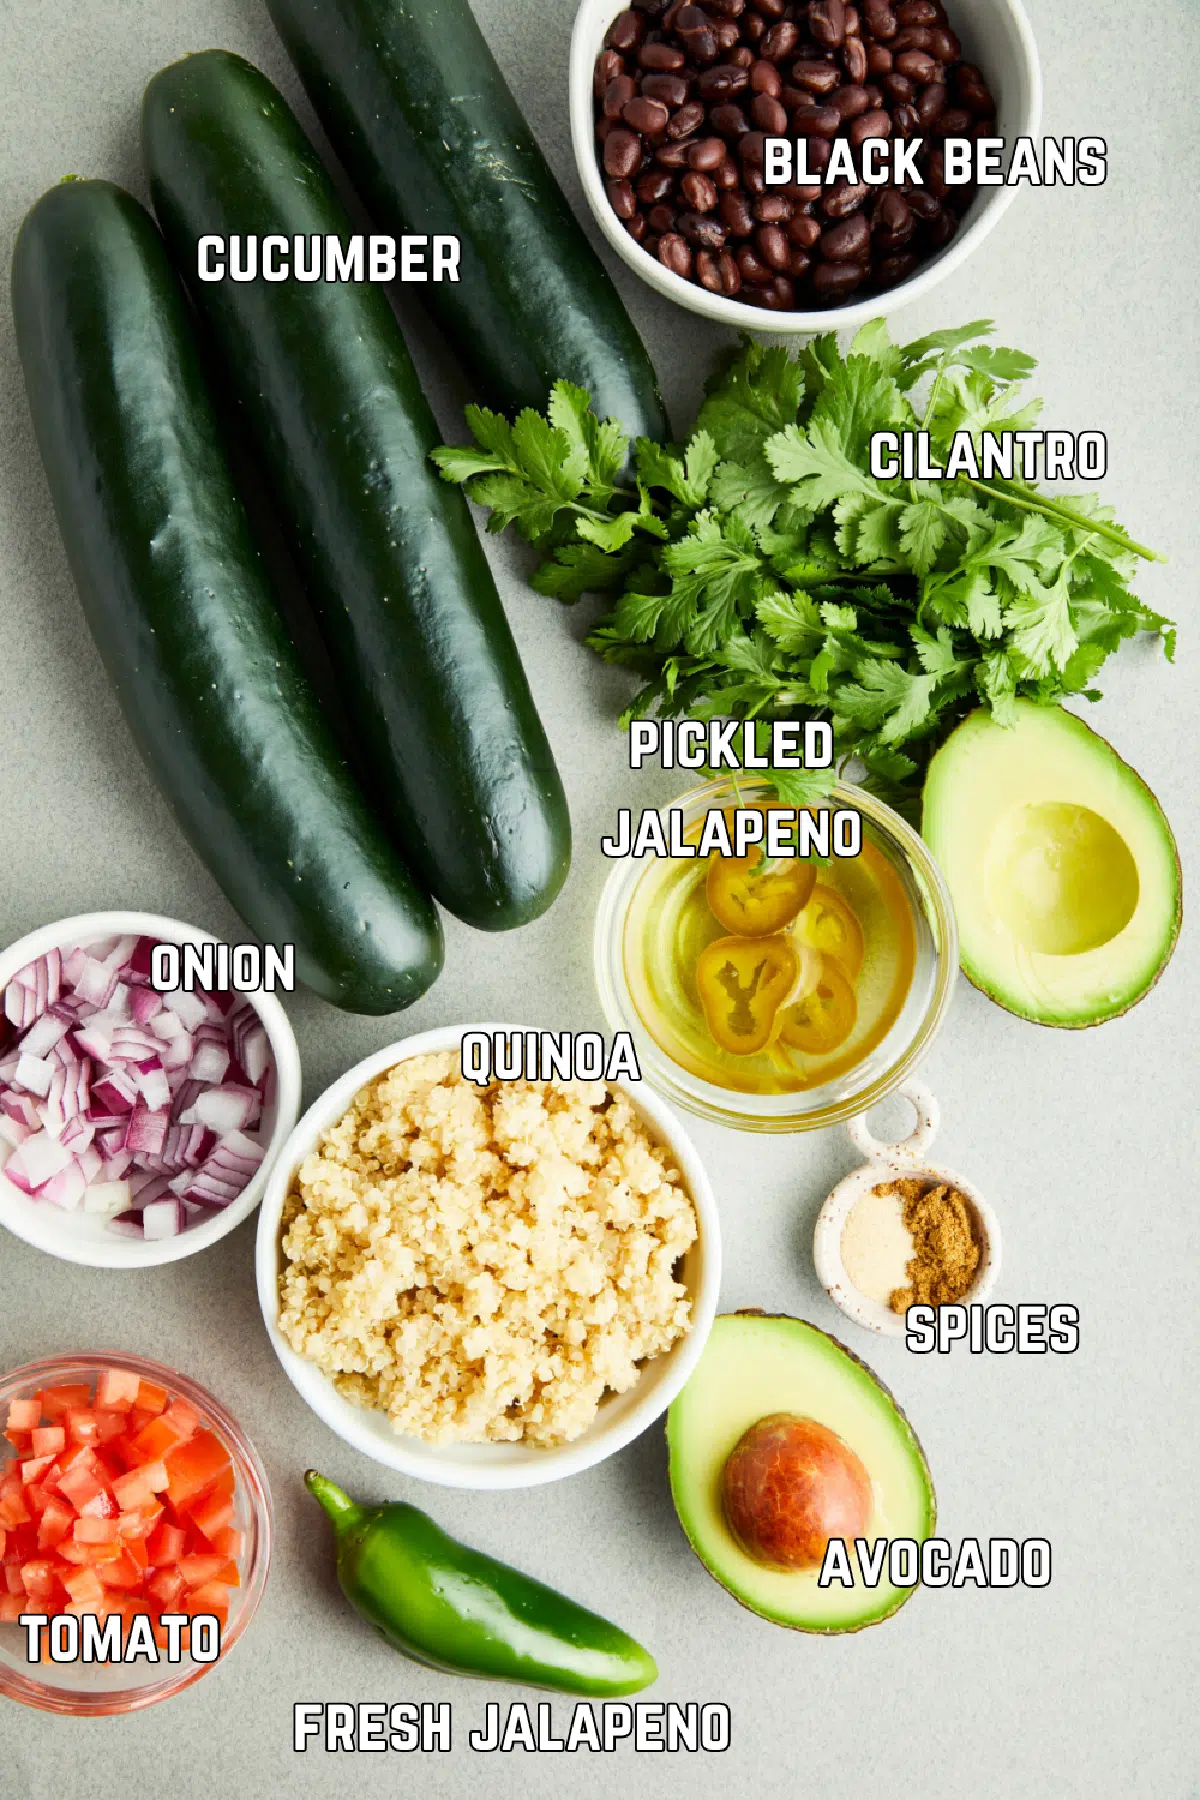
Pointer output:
947, 1254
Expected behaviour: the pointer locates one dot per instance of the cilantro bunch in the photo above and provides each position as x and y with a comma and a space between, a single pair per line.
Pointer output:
760, 571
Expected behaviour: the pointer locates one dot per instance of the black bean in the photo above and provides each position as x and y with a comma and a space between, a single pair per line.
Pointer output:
654, 185
855, 60
707, 271
608, 66
689, 118
766, 79
673, 155
931, 102
622, 154
728, 121
721, 81
700, 229
849, 101
737, 214
672, 90
916, 12
768, 115
816, 121
945, 46
667, 58
661, 218
918, 65
699, 192
835, 281
954, 122
752, 150
753, 270
705, 154
900, 88
636, 227
880, 19
827, 23
773, 209
815, 77
843, 198
626, 31
674, 253
879, 60
772, 246
647, 116
731, 275
799, 263
891, 269
847, 241
621, 199
870, 125
780, 41
802, 231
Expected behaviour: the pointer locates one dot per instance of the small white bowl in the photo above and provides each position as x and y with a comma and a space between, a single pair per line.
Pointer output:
84, 1237
996, 35
621, 1417
902, 1161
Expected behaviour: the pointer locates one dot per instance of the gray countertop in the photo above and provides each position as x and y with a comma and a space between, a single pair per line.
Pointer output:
1083, 1141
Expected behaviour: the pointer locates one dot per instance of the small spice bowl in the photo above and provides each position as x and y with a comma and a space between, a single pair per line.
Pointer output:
903, 1160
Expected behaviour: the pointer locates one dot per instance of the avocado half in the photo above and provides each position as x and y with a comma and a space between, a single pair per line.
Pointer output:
755, 1364
1060, 862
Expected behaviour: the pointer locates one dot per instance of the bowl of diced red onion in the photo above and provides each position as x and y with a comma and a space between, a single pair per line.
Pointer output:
136, 1126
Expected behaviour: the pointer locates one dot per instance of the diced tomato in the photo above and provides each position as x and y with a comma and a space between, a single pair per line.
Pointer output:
48, 1440
183, 1416
118, 1389
33, 1470
120, 1571
229, 1542
3, 1541
11, 1608
150, 1397
38, 1578
194, 1466
80, 1556
57, 1401
197, 1570
166, 1544
13, 1509
166, 1585
81, 1487
155, 1439
24, 1415
13, 1580
132, 1490
84, 1587
136, 1549
212, 1598
55, 1523
212, 1514
95, 1531
137, 1525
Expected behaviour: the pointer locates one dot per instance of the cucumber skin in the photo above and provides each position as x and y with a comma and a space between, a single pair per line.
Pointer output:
456, 755
181, 611
423, 121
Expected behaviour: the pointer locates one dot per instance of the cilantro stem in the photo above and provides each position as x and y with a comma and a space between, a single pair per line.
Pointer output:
1028, 501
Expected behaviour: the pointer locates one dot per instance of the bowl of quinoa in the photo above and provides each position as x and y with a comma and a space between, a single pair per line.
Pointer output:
486, 1285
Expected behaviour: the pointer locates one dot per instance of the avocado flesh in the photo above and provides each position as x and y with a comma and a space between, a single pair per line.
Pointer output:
1059, 860
754, 1365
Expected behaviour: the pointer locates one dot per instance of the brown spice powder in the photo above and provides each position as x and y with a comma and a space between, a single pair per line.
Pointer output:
947, 1254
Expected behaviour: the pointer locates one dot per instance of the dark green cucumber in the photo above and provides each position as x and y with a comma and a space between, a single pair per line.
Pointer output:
412, 101
181, 610
403, 592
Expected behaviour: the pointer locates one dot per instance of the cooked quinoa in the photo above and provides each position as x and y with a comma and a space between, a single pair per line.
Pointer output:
483, 1264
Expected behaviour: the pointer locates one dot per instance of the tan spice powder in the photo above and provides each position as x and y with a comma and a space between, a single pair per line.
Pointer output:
947, 1254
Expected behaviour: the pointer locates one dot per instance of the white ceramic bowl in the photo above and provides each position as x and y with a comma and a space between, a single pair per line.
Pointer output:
900, 1161
621, 1417
996, 35
85, 1238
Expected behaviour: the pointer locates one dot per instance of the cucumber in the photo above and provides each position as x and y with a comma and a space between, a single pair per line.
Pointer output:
183, 616
423, 122
449, 739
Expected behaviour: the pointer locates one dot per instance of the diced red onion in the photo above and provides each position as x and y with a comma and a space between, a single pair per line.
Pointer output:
163, 1219
107, 1197
123, 1103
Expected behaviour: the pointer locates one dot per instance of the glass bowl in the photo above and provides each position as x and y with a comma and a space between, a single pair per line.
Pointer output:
622, 920
91, 1689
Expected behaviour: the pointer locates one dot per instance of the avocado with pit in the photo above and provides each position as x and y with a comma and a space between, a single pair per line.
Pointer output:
780, 1440
1060, 862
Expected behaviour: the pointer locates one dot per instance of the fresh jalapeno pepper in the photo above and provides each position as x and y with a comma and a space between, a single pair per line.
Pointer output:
742, 983
453, 1608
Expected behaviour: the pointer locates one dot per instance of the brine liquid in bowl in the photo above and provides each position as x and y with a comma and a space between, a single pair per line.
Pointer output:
859, 933
779, 996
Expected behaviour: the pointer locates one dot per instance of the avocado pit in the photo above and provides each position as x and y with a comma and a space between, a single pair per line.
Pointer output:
788, 1486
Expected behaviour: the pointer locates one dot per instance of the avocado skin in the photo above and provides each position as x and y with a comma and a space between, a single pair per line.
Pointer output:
978, 978
756, 1312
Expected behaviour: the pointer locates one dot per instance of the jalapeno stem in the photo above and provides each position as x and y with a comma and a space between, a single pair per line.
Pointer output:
342, 1510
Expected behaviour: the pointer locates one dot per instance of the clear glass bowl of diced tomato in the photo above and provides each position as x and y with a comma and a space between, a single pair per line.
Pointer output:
133, 1492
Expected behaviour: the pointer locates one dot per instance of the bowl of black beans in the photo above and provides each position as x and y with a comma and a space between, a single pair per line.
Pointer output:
809, 159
